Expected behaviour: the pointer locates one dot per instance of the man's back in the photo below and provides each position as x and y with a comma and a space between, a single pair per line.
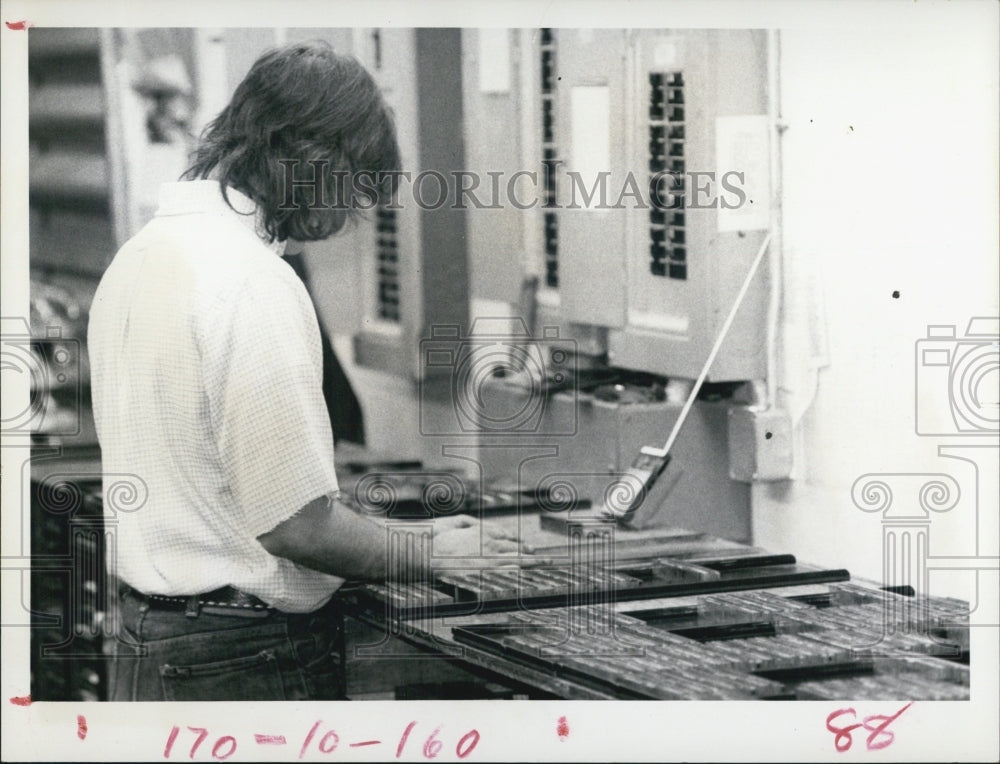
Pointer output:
207, 383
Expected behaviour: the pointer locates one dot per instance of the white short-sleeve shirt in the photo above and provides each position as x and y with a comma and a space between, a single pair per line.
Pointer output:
206, 373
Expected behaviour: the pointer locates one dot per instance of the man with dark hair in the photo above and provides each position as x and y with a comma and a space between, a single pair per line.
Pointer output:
207, 385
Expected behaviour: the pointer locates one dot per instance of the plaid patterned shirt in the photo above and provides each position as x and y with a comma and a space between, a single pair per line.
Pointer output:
207, 386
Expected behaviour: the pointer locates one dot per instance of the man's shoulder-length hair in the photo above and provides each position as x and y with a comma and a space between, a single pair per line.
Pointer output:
304, 107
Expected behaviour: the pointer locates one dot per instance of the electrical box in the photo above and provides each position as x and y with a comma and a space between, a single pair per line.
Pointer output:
651, 157
494, 84
587, 157
700, 139
653, 191
760, 444
415, 269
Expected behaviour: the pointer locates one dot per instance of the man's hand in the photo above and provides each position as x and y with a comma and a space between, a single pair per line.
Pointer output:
494, 541
453, 522
476, 540
329, 537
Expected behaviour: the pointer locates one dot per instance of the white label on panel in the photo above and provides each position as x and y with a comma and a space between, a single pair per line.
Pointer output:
743, 178
590, 120
665, 55
498, 316
659, 322
494, 61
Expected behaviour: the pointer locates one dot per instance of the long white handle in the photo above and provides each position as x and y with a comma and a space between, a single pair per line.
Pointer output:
711, 356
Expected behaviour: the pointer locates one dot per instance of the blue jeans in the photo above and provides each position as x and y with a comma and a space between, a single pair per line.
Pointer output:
166, 655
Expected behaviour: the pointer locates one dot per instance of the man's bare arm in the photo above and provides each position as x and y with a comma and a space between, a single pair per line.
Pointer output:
329, 537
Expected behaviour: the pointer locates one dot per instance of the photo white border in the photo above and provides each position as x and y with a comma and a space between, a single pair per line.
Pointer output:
525, 731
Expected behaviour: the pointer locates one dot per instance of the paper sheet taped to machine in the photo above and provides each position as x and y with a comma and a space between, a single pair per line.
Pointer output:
494, 61
590, 118
741, 145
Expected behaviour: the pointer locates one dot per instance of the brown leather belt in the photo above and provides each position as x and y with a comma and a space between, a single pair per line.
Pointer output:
227, 601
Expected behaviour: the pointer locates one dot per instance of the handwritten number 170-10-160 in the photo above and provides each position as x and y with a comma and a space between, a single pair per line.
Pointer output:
225, 746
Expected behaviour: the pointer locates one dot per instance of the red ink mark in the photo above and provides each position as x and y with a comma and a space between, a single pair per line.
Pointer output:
308, 740
469, 741
329, 742
562, 729
170, 741
270, 739
366, 742
433, 746
217, 748
23, 700
19, 26
81, 727
880, 729
202, 734
224, 747
843, 740
403, 739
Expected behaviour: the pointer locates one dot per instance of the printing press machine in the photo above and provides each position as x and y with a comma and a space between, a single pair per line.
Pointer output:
602, 611
598, 611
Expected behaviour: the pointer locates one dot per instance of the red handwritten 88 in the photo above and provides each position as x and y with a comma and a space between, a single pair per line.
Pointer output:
880, 736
